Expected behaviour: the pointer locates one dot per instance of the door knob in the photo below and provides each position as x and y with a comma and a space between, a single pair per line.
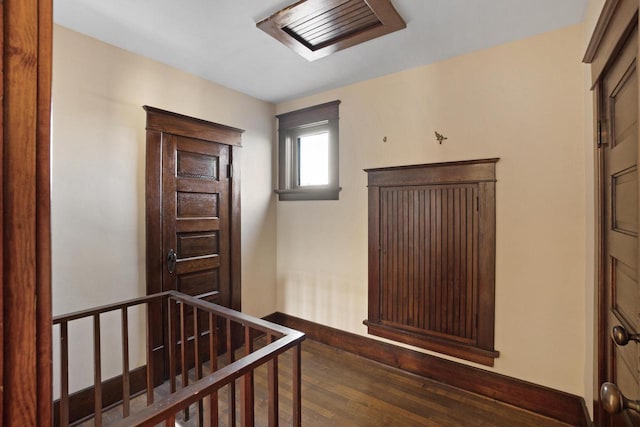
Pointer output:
614, 402
622, 337
171, 260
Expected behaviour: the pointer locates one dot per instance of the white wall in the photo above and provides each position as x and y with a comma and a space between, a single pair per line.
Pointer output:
522, 102
98, 182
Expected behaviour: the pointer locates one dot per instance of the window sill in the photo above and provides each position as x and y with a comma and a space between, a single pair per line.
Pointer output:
308, 194
440, 345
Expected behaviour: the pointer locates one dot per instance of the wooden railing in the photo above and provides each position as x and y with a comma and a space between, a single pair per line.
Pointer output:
226, 350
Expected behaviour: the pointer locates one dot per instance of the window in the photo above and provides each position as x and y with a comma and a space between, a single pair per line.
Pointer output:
308, 153
432, 257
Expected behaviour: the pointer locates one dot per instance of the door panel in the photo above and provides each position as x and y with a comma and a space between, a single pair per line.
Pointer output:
195, 218
192, 206
620, 199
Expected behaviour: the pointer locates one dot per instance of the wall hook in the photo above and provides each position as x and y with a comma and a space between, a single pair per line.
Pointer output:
440, 137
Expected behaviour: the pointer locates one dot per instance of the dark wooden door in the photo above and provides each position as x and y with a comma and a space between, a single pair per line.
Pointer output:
619, 106
193, 216
195, 228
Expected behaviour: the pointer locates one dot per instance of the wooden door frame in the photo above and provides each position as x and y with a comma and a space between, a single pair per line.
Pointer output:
159, 121
617, 19
25, 328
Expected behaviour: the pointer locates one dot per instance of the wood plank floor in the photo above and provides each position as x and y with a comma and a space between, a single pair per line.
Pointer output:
341, 389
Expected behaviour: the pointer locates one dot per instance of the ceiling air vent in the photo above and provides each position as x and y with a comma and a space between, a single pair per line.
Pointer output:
316, 28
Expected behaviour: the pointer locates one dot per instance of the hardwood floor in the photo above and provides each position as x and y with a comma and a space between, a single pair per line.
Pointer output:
342, 389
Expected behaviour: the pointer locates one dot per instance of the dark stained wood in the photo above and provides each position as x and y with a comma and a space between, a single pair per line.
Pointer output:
126, 375
407, 239
154, 251
600, 331
247, 402
43, 217
304, 116
616, 20
620, 89
63, 418
81, 403
542, 400
273, 388
432, 257
213, 366
26, 248
178, 124
612, 53
296, 386
97, 373
193, 207
317, 28
235, 301
180, 304
2, 185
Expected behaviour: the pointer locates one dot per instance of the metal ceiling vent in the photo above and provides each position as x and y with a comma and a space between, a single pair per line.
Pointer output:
317, 28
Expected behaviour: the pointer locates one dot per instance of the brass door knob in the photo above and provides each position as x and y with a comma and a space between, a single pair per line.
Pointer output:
614, 402
622, 337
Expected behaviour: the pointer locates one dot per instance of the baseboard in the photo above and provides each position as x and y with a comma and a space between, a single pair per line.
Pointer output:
565, 407
81, 402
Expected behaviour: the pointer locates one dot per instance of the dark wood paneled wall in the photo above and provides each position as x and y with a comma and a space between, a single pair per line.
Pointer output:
432, 257
429, 237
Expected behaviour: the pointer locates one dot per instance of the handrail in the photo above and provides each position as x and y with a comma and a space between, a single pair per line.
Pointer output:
279, 340
181, 399
109, 307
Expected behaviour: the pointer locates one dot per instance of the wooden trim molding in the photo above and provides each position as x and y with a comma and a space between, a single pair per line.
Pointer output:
599, 31
25, 326
317, 28
617, 19
178, 124
542, 400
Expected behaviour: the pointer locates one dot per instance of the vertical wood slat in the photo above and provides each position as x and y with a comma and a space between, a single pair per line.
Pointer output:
173, 342
213, 365
197, 361
125, 364
424, 240
296, 389
149, 356
44, 327
232, 384
272, 385
64, 375
183, 353
247, 409
97, 373
2, 191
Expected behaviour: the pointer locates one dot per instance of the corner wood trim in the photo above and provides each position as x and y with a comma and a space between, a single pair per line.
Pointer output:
599, 31
542, 400
81, 402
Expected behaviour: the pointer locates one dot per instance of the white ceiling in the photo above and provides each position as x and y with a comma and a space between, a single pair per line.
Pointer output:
218, 39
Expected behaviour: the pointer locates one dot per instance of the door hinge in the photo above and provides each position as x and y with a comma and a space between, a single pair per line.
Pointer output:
600, 135
230, 170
